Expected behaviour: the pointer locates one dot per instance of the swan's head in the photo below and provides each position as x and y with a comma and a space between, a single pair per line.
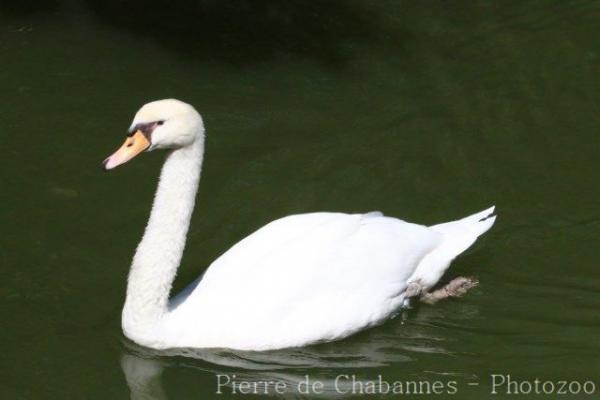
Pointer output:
161, 124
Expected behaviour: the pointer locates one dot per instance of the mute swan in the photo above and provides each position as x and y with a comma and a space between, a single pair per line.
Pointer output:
298, 280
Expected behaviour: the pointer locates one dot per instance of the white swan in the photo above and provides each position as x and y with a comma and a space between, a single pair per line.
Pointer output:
298, 280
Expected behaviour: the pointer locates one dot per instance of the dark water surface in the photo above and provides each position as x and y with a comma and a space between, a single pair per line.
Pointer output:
428, 111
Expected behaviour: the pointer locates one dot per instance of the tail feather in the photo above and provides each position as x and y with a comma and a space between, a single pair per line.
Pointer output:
457, 236
471, 220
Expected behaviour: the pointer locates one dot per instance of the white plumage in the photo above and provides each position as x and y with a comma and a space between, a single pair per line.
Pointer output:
298, 280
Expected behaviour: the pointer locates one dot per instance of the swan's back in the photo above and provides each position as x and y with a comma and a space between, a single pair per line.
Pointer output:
301, 279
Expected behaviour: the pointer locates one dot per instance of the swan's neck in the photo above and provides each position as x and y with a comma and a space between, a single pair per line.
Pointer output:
159, 253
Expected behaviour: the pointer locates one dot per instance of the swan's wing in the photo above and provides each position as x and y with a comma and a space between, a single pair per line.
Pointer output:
255, 246
305, 278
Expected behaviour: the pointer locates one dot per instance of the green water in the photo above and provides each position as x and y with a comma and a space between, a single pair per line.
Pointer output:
427, 111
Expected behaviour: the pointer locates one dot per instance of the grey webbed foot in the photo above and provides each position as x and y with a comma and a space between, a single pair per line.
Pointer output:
460, 286
455, 288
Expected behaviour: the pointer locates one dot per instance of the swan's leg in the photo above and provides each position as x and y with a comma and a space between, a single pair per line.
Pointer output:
414, 289
455, 288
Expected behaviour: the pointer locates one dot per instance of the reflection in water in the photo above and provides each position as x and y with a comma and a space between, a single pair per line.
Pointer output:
401, 341
143, 377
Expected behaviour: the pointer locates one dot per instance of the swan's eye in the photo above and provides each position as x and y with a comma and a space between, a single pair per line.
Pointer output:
161, 122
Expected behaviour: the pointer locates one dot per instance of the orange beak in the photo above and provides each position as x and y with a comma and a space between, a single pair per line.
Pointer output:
133, 146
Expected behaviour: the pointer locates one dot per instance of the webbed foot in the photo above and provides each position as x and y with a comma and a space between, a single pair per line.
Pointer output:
460, 286
457, 287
